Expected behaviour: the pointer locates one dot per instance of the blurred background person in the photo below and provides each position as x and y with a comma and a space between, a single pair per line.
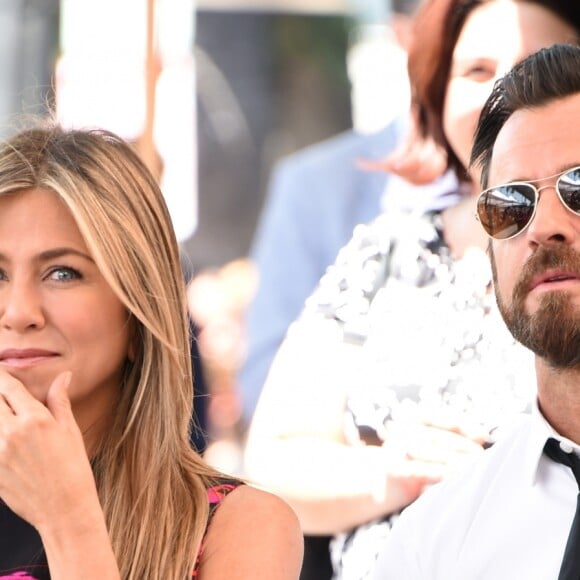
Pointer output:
300, 60
400, 366
315, 199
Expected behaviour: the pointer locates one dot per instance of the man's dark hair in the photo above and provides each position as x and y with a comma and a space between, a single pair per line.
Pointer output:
545, 76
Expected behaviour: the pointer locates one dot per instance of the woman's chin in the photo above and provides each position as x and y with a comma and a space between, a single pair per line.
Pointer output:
37, 384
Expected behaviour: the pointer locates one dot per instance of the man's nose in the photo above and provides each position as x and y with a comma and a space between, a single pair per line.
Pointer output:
553, 223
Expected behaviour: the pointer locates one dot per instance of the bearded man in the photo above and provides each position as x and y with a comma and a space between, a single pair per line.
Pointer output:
515, 513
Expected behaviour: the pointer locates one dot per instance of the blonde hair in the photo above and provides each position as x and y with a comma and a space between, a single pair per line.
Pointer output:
151, 484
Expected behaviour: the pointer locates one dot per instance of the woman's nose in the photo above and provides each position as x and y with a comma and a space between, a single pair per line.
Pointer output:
20, 306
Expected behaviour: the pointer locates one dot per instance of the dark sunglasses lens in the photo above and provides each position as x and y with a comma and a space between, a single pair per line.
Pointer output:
506, 210
569, 189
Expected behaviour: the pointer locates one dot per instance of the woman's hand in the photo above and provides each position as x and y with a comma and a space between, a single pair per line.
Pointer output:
46, 478
45, 474
417, 159
420, 454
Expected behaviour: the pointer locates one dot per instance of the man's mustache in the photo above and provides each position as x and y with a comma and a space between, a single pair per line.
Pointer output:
545, 258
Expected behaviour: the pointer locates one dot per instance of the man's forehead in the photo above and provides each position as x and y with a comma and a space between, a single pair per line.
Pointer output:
537, 142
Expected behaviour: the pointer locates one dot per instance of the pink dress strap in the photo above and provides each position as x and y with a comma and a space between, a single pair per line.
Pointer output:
215, 495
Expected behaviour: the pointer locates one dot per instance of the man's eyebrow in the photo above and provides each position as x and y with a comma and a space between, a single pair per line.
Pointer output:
54, 253
563, 169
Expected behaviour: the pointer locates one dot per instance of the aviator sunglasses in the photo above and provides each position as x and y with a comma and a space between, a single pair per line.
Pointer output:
507, 210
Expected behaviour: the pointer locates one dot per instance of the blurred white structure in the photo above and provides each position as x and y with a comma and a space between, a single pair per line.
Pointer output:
376, 63
28, 48
377, 68
314, 6
113, 74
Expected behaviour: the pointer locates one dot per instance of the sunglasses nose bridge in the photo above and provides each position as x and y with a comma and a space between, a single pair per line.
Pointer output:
547, 186
550, 221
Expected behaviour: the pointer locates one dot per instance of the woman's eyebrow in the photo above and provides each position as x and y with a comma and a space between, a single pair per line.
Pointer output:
54, 253
63, 251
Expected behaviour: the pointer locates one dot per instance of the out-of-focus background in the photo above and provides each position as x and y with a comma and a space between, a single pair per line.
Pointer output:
212, 93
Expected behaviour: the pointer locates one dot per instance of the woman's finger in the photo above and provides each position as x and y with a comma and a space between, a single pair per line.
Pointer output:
15, 394
5, 409
57, 399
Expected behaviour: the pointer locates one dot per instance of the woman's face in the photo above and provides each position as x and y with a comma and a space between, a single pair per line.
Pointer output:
57, 312
495, 36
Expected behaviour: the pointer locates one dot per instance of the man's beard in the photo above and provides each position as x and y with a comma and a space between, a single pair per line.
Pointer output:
553, 331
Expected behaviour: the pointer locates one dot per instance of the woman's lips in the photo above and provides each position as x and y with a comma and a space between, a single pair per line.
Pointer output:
22, 358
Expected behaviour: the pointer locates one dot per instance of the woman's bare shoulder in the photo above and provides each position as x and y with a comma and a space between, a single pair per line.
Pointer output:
252, 534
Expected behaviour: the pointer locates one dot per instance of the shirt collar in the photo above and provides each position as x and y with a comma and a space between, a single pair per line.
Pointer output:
540, 432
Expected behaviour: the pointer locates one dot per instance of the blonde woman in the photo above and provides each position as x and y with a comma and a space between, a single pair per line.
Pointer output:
97, 476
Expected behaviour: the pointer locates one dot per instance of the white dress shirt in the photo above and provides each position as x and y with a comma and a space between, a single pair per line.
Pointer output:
506, 517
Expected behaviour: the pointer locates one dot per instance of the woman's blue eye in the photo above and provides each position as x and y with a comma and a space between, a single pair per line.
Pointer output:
64, 274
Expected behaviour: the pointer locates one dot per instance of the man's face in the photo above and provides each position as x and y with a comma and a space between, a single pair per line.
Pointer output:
537, 273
